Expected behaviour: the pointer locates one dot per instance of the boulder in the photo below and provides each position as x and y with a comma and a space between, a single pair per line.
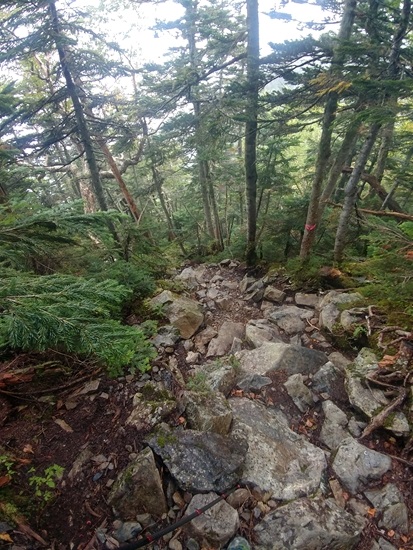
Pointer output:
286, 357
220, 378
308, 524
203, 338
150, 406
388, 500
290, 318
138, 489
192, 277
329, 310
367, 398
200, 462
278, 460
259, 331
366, 465
302, 396
308, 300
216, 526
222, 343
334, 426
185, 314
275, 295
208, 412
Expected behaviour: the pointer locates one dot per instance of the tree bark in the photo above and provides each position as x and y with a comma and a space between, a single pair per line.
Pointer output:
324, 148
82, 127
251, 113
351, 192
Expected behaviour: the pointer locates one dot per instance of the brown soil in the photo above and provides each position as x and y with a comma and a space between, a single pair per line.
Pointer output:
41, 427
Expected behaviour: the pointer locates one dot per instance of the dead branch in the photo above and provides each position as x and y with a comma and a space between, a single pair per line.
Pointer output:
379, 419
397, 215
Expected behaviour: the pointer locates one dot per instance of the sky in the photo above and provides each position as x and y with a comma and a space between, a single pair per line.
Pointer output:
141, 38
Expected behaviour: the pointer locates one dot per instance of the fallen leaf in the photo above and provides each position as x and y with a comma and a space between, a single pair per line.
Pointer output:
64, 425
4, 480
6, 537
28, 449
181, 420
387, 361
391, 533
309, 423
237, 393
404, 538
371, 512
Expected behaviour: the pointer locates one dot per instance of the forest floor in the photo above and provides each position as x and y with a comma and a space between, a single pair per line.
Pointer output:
68, 414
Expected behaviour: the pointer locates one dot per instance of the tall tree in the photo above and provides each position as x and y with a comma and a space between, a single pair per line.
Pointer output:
324, 147
251, 116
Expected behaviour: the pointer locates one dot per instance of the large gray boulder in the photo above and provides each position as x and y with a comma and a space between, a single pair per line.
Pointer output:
289, 358
192, 277
290, 319
308, 524
198, 461
185, 314
357, 466
329, 310
260, 331
278, 460
222, 343
138, 489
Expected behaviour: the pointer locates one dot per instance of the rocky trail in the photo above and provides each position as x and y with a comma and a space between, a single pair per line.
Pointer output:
247, 390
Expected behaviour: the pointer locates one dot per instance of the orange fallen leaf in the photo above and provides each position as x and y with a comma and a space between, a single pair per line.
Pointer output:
6, 537
404, 538
391, 533
387, 361
371, 512
28, 449
237, 393
4, 480
181, 420
309, 423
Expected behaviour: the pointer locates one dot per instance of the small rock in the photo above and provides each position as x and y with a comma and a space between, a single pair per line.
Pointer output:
127, 530
238, 497
192, 544
174, 544
216, 525
239, 543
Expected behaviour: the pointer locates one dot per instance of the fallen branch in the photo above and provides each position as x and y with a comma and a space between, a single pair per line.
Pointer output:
397, 215
379, 419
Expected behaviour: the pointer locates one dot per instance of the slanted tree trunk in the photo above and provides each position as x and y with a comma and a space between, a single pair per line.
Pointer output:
324, 148
251, 113
82, 127
351, 192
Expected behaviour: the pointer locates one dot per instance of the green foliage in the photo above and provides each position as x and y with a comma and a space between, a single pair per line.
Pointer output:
389, 270
45, 485
198, 383
7, 465
73, 314
139, 280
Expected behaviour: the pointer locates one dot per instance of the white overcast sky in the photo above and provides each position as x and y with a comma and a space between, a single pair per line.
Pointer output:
132, 30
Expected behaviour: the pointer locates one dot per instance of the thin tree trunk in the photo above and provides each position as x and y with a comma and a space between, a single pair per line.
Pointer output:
396, 184
351, 192
324, 148
251, 112
82, 127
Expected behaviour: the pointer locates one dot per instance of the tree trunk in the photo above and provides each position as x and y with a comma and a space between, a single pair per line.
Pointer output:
324, 148
351, 192
251, 113
82, 127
